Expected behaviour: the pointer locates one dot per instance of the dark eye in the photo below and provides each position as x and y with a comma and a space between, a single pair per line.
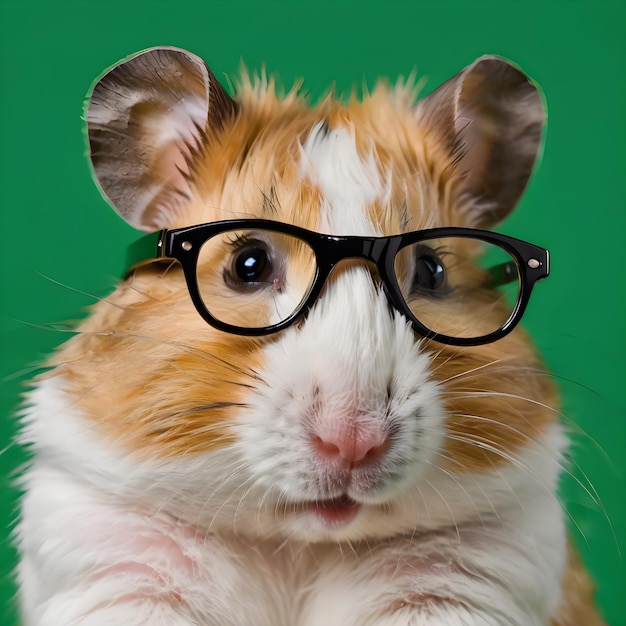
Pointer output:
251, 264
429, 272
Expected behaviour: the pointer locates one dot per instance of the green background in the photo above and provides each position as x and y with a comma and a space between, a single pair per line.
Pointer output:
60, 242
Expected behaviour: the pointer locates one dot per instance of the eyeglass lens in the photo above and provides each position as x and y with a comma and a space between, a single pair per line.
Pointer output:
456, 286
254, 279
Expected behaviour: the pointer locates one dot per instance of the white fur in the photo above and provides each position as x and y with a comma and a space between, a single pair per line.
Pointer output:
211, 530
226, 538
99, 530
349, 182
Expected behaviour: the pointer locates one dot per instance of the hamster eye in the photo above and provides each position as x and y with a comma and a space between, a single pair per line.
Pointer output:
429, 273
250, 265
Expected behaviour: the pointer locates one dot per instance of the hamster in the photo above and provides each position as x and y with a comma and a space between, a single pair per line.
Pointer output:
310, 402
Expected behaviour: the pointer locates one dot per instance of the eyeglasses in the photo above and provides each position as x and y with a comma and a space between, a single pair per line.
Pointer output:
458, 286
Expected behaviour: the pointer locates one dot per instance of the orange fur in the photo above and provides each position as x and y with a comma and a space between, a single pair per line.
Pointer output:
250, 170
521, 402
180, 384
578, 606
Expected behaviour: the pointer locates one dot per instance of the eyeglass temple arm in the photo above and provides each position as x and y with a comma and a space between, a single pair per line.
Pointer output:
144, 251
502, 274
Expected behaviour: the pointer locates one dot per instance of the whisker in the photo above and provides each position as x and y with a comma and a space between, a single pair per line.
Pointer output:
510, 457
57, 327
451, 476
572, 426
445, 502
474, 371
79, 291
466, 395
30, 371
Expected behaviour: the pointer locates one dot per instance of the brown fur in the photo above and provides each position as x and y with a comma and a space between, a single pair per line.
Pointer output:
250, 169
578, 606
195, 378
483, 434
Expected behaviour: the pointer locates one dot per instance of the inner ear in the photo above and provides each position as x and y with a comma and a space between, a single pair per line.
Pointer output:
147, 118
491, 117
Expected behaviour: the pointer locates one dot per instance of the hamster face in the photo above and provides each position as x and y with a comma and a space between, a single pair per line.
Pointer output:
347, 425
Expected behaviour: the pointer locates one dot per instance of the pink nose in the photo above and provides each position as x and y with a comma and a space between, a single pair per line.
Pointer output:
349, 447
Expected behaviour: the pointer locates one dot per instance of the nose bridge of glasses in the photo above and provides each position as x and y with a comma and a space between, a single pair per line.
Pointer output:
352, 248
347, 253
352, 264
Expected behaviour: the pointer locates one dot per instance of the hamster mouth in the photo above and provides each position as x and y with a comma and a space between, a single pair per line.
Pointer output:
335, 512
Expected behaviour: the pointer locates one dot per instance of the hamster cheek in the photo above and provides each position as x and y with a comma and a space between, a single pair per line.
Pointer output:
500, 403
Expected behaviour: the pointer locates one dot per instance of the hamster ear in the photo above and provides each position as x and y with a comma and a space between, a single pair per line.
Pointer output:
146, 118
491, 117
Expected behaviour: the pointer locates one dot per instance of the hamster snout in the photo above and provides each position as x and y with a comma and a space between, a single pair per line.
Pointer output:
347, 408
340, 443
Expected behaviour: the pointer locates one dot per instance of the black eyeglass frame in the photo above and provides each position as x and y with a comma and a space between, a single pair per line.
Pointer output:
184, 244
